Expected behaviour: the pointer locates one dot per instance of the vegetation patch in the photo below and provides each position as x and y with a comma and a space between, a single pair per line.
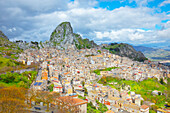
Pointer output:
92, 109
5, 62
97, 71
144, 88
20, 80
89, 55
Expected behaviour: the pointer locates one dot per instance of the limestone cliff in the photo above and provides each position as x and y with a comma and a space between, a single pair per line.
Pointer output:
64, 38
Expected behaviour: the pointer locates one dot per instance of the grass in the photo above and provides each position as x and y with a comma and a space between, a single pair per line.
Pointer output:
76, 35
97, 71
83, 98
53, 34
83, 43
5, 62
92, 109
144, 88
10, 67
19, 80
11, 50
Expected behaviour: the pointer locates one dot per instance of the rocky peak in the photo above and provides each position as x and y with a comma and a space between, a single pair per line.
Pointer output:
64, 38
61, 30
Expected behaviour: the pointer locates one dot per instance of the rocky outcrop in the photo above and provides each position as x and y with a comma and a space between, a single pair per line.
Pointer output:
64, 38
126, 50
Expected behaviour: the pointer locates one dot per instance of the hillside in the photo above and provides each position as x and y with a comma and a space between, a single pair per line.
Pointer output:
2, 35
125, 50
9, 52
8, 49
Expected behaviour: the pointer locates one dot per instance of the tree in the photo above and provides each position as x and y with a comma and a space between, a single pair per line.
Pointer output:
50, 97
99, 51
161, 81
67, 105
83, 83
154, 107
12, 100
85, 92
46, 97
31, 95
51, 87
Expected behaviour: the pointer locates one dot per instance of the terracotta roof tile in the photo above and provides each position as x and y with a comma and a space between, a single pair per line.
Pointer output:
71, 100
109, 111
144, 106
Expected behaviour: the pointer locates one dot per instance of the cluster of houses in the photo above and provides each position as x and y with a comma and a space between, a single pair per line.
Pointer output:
67, 70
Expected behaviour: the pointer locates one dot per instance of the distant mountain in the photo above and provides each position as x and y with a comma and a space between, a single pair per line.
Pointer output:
153, 53
143, 49
64, 38
125, 50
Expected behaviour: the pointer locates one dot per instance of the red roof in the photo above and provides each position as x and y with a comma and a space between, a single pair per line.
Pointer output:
86, 99
144, 106
58, 87
73, 101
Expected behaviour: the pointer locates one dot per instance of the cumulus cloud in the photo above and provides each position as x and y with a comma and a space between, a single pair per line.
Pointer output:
164, 3
141, 2
134, 36
82, 4
35, 21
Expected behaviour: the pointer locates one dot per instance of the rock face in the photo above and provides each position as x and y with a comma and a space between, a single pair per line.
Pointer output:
64, 38
2, 35
126, 50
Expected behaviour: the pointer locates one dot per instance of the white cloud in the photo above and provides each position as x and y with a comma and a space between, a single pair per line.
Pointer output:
82, 4
12, 29
121, 24
141, 2
134, 36
34, 21
164, 3
35, 5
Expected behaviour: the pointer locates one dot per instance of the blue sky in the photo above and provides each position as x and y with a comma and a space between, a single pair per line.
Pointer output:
137, 22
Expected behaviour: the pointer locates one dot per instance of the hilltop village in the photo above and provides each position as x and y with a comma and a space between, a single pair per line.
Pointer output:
72, 73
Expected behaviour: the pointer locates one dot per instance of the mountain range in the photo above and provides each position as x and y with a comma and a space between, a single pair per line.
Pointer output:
153, 53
